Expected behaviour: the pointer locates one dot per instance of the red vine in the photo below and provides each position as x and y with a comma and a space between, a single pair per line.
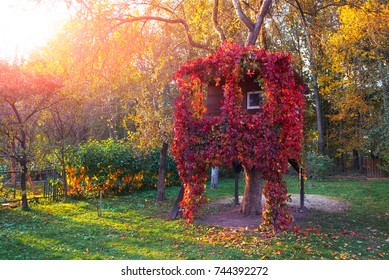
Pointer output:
265, 140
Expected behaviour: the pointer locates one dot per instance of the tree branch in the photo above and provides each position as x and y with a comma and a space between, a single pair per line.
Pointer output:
122, 21
216, 24
304, 20
252, 38
253, 28
238, 8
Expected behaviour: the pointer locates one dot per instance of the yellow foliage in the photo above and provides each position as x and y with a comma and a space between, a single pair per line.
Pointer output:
354, 54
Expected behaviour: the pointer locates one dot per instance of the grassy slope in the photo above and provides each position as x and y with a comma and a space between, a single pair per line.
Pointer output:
135, 227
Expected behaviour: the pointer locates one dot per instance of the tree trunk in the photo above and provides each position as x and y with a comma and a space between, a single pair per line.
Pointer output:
63, 163
251, 202
214, 177
356, 160
318, 103
13, 175
262, 38
360, 159
161, 172
23, 182
315, 83
319, 114
252, 27
341, 140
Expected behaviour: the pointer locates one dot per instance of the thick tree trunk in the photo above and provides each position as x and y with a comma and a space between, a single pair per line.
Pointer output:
251, 202
161, 172
358, 160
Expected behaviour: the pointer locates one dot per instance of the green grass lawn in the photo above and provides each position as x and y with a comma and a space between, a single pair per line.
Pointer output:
136, 227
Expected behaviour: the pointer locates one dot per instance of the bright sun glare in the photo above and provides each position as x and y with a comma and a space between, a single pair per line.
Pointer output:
28, 24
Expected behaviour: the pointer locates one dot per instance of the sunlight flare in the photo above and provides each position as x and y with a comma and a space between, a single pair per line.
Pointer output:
26, 25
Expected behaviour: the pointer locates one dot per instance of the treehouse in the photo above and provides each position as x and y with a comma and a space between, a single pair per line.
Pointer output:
261, 105
253, 97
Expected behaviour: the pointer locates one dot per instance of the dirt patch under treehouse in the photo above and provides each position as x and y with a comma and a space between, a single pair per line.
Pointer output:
222, 212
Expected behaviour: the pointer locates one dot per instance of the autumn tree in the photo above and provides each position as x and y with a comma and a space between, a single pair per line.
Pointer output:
154, 97
141, 64
24, 95
356, 80
59, 129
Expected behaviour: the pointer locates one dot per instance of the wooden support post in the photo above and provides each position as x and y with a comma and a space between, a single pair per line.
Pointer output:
236, 188
237, 166
300, 171
100, 203
176, 208
214, 177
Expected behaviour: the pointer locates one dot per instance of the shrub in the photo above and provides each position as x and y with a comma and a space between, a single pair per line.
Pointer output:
384, 164
319, 166
115, 168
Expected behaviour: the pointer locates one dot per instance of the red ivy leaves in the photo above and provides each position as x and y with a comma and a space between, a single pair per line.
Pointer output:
265, 140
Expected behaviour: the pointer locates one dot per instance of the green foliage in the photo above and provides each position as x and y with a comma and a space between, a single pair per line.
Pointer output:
115, 168
150, 165
378, 135
319, 166
384, 165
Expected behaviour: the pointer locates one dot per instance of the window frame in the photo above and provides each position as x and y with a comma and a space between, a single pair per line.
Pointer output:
256, 107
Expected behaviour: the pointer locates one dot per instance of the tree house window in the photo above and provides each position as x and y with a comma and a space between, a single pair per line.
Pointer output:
254, 99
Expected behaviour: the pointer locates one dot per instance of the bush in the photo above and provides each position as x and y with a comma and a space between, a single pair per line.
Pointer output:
115, 168
319, 166
384, 164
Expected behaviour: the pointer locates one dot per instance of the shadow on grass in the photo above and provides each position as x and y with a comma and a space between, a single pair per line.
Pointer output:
80, 234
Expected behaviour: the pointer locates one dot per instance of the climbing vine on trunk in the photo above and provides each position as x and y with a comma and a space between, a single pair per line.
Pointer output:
263, 141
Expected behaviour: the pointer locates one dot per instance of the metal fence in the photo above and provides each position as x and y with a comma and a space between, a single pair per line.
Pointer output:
359, 167
52, 191
42, 184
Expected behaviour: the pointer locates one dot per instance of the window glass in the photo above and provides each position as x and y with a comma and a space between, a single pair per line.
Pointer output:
254, 99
